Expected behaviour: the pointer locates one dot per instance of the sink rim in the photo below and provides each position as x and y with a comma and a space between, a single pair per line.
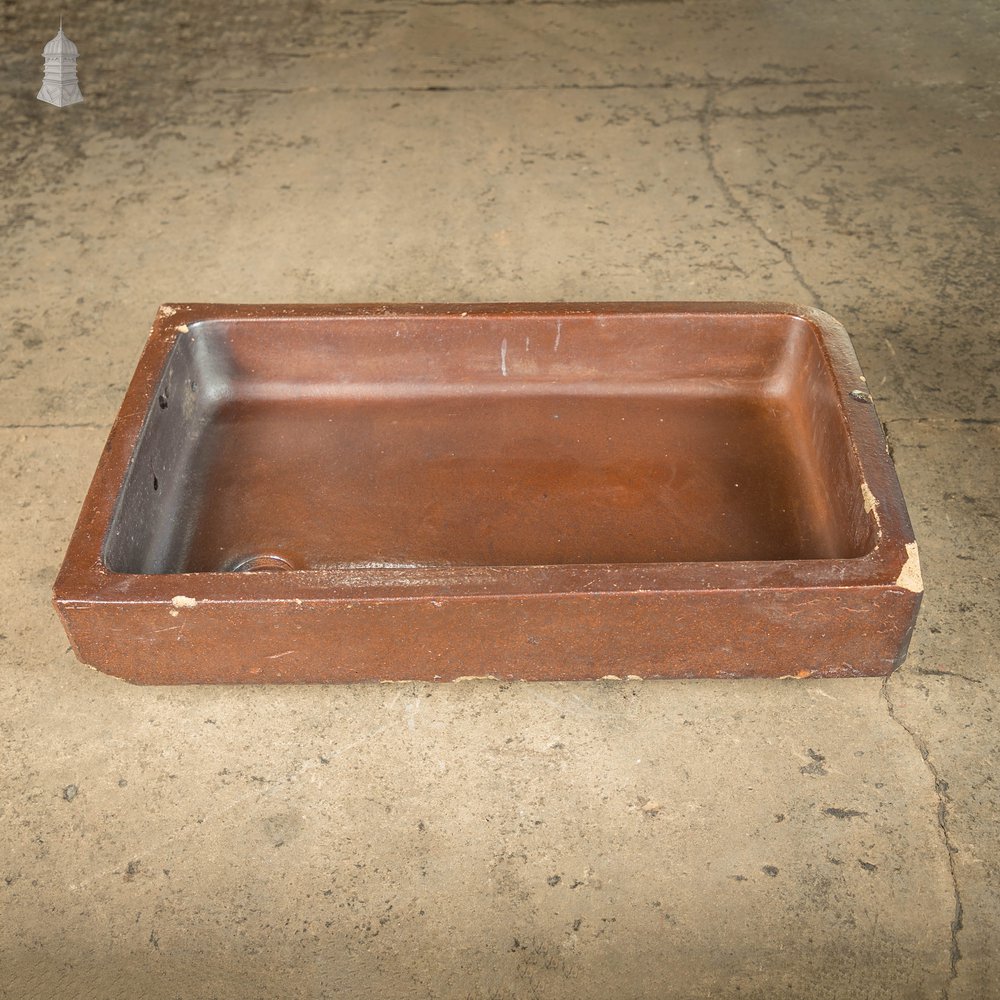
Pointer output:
893, 561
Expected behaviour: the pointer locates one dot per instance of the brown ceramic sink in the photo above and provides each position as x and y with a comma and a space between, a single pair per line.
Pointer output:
338, 493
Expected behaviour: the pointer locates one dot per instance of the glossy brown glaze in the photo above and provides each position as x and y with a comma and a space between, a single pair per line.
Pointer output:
562, 491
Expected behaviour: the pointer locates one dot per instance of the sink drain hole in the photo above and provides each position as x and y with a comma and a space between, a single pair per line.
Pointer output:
262, 563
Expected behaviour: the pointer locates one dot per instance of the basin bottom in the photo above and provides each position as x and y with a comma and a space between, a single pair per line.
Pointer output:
499, 480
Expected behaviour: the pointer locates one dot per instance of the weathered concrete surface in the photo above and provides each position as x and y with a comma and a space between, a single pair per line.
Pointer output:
831, 839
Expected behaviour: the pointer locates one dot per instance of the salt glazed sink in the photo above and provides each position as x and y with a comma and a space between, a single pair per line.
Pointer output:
347, 493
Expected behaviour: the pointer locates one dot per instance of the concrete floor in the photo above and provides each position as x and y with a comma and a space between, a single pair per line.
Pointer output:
808, 839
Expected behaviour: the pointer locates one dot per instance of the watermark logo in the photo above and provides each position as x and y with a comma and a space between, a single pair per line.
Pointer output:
60, 86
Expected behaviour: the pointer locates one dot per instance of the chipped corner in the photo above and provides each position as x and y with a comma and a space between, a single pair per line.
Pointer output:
910, 577
871, 505
180, 601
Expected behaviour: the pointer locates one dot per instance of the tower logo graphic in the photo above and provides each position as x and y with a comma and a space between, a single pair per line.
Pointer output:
60, 87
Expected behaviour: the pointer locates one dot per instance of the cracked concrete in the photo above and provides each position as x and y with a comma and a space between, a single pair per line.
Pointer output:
708, 114
941, 788
827, 839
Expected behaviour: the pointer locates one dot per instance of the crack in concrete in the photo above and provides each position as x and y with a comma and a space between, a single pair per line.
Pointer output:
669, 83
968, 421
707, 114
806, 110
544, 3
941, 788
50, 427
928, 672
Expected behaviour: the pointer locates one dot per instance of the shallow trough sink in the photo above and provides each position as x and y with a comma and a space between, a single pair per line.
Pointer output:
343, 493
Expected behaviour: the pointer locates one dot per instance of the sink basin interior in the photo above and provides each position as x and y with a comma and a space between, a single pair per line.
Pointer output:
381, 441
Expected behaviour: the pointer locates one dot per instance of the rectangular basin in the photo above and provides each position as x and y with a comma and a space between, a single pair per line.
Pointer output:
344, 493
